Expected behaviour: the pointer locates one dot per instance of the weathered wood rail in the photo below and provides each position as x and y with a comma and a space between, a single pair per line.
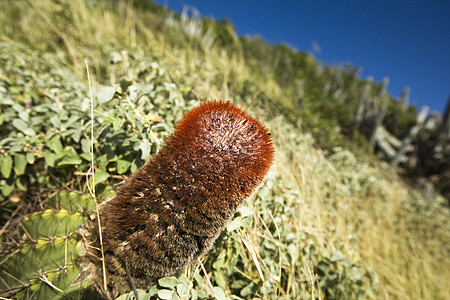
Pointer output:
424, 152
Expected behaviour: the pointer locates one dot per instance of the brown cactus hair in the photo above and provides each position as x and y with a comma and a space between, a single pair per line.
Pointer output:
170, 211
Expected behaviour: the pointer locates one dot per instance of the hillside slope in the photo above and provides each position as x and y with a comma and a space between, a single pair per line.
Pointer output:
328, 223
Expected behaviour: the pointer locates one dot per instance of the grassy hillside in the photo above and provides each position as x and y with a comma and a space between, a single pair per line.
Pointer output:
329, 222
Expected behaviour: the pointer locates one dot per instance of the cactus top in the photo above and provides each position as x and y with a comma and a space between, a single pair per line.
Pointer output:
229, 151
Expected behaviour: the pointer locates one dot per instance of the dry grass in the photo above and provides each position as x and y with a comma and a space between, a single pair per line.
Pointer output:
407, 250
342, 200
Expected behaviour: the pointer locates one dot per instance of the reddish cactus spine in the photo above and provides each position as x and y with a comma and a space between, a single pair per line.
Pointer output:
171, 210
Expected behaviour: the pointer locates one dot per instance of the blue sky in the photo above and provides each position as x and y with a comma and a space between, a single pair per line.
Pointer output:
407, 41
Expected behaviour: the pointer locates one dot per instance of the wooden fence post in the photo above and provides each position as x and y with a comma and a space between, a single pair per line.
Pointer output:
362, 104
421, 117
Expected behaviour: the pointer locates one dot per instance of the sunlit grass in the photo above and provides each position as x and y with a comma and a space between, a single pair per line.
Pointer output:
374, 217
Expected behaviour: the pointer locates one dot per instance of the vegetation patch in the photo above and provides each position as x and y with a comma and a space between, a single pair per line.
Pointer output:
330, 221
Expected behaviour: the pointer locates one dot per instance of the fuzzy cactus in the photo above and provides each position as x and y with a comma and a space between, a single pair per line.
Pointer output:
172, 209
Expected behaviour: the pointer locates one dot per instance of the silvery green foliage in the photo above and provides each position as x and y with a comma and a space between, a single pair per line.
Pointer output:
45, 121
